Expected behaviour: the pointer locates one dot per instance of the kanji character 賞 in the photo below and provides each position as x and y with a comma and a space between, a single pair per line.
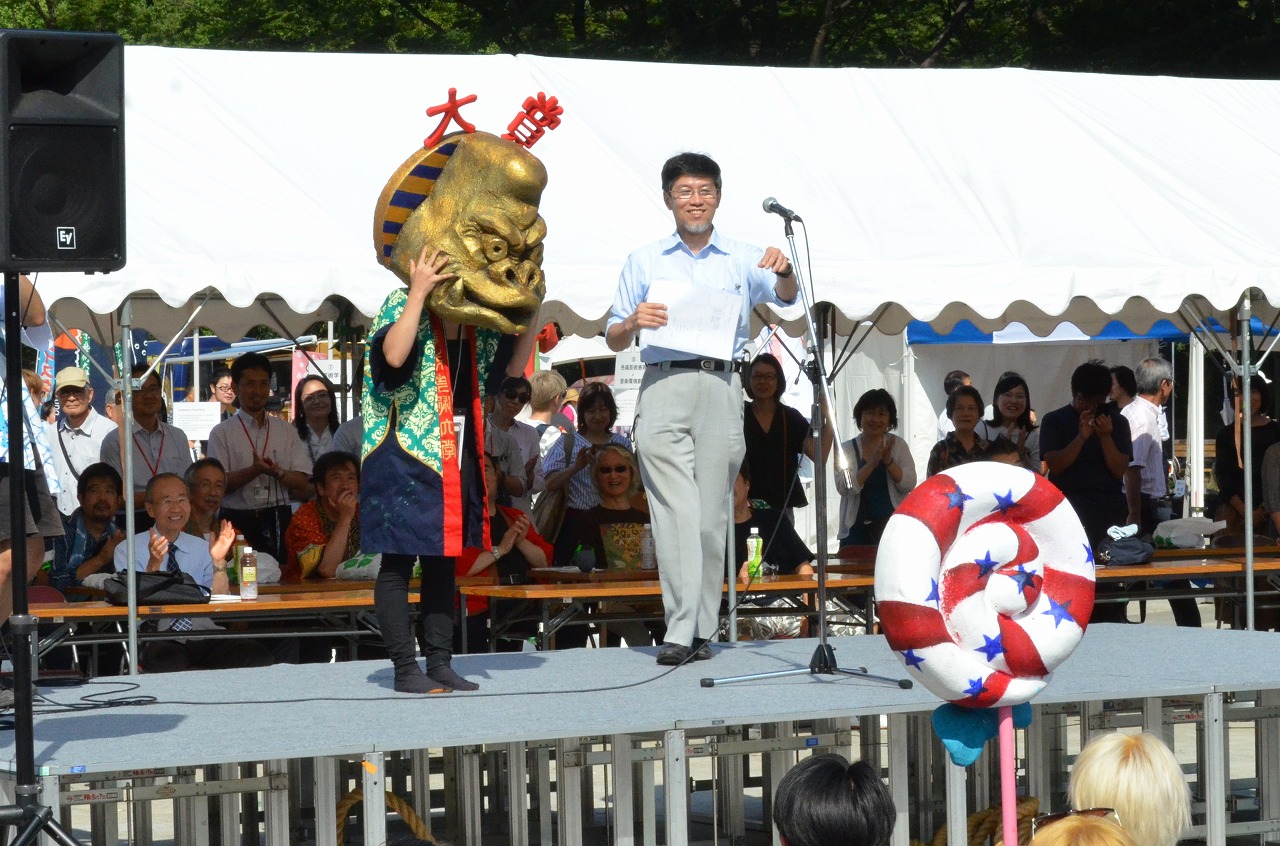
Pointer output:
451, 109
540, 114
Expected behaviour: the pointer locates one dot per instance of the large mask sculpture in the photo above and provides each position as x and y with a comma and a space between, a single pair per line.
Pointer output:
475, 197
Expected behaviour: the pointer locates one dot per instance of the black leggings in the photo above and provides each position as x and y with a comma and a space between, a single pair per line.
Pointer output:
391, 602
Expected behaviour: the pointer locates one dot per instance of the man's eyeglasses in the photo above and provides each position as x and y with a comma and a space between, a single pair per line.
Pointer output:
604, 470
1044, 820
521, 396
71, 391
687, 193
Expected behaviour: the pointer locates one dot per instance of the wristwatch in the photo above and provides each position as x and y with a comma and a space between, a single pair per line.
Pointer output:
495, 553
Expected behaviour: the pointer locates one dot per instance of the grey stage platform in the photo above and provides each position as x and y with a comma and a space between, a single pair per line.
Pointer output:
284, 713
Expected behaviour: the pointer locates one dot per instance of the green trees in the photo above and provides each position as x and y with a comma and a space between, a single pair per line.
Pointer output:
1189, 37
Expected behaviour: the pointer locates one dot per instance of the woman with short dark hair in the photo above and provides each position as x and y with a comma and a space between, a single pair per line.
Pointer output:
826, 801
884, 471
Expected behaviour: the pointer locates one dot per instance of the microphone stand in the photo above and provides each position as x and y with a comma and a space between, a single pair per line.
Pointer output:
823, 661
27, 814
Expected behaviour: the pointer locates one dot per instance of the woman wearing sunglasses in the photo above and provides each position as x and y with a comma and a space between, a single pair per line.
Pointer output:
1138, 776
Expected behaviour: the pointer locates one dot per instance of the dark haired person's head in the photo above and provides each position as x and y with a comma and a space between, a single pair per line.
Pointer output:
876, 399
331, 461
690, 164
1011, 402
826, 801
222, 386
968, 392
252, 375
100, 491
953, 380
1090, 385
314, 396
1257, 386
335, 474
765, 378
596, 408
1123, 379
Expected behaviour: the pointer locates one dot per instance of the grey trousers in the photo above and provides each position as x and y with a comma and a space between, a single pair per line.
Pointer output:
689, 438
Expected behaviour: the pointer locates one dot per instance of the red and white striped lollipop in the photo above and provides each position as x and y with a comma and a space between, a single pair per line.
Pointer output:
984, 583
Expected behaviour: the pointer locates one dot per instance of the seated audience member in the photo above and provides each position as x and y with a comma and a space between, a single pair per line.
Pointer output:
206, 485
325, 531
517, 548
1228, 457
77, 437
569, 459
963, 443
266, 463
612, 528
90, 534
826, 801
510, 401
158, 447
1080, 829
315, 414
166, 547
884, 471
1012, 418
546, 394
784, 551
1137, 775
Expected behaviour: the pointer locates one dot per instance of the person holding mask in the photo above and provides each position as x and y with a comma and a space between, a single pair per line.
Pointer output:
884, 471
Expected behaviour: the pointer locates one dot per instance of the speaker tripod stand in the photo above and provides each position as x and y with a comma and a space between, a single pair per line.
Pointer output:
823, 661
27, 815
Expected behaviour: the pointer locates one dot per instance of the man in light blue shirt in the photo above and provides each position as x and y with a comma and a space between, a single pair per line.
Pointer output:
689, 415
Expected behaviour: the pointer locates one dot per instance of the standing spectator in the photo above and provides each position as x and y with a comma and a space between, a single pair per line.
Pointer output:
776, 436
547, 392
325, 531
1146, 489
114, 406
963, 444
315, 414
348, 437
159, 447
90, 534
824, 800
1228, 459
222, 389
884, 471
950, 382
1011, 416
512, 397
1087, 447
264, 458
1124, 386
78, 435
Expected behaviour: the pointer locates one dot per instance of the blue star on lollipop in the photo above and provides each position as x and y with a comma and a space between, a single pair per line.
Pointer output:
957, 499
986, 564
1060, 612
975, 688
912, 659
1005, 502
991, 648
1023, 577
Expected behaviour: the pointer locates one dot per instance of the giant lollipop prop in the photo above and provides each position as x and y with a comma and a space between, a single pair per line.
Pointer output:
984, 584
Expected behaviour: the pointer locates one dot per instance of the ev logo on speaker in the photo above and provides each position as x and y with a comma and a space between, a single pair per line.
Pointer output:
66, 237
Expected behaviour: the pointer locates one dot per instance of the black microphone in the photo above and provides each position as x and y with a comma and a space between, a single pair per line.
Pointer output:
772, 206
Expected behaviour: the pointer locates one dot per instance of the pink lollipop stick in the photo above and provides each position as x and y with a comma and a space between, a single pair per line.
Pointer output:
1008, 779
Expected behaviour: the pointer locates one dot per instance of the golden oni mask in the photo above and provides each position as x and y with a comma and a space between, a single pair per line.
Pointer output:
475, 197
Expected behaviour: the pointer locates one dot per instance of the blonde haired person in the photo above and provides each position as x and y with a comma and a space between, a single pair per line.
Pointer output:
1138, 776
1084, 830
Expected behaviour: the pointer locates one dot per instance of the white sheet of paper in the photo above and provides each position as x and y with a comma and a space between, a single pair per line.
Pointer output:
700, 321
196, 419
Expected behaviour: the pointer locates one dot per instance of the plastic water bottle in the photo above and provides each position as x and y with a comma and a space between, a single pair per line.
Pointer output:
648, 553
248, 574
755, 550
233, 568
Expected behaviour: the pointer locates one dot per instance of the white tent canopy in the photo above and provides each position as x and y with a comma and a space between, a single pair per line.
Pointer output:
992, 195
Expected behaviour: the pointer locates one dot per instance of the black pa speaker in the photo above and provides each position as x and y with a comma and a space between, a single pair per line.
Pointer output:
61, 151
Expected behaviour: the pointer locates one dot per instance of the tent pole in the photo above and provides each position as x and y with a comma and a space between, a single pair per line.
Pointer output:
1246, 429
1195, 426
126, 448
